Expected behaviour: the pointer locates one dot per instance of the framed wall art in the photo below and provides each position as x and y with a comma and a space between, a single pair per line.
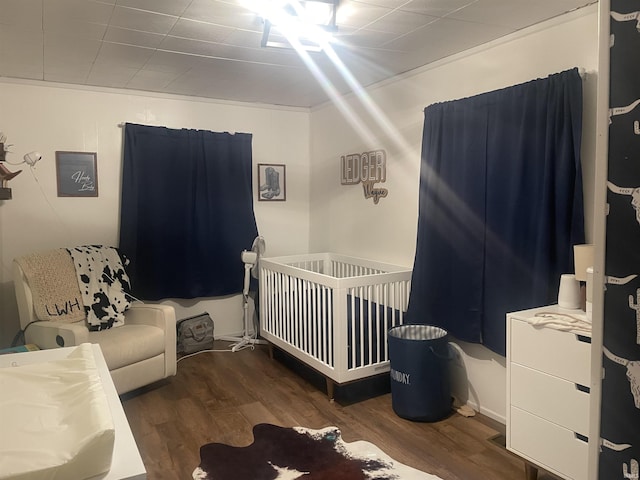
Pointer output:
272, 182
77, 174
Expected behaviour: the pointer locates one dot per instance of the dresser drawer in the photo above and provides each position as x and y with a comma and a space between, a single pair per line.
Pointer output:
554, 448
549, 397
558, 353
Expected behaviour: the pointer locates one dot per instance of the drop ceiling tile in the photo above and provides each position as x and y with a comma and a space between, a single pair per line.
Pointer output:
147, 79
20, 70
74, 77
281, 80
244, 38
73, 11
305, 92
238, 76
23, 13
14, 38
79, 18
133, 37
369, 66
275, 79
198, 30
381, 63
384, 3
74, 72
468, 34
106, 75
512, 13
192, 47
198, 82
75, 28
362, 77
558, 7
143, 21
67, 49
168, 7
400, 22
271, 56
127, 56
171, 62
326, 73
223, 13
21, 52
363, 38
352, 13
437, 8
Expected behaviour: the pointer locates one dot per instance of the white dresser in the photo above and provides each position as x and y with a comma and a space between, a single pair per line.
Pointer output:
548, 374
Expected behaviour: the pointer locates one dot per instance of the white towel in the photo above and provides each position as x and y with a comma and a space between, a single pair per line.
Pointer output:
561, 321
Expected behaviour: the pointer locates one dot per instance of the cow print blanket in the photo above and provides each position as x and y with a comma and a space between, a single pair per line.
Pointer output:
290, 453
104, 285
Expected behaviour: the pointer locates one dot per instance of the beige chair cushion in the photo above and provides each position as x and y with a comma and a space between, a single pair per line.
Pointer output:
129, 344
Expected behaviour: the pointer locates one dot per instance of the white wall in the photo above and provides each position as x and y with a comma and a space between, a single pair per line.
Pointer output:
343, 221
47, 119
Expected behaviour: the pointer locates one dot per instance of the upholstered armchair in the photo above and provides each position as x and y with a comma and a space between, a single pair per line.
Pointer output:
139, 352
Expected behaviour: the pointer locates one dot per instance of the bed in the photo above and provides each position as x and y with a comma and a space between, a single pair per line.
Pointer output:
332, 312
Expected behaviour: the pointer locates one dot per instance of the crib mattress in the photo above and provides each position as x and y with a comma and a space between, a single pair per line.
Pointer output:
56, 422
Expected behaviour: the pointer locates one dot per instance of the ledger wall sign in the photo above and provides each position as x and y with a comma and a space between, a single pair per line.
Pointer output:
367, 168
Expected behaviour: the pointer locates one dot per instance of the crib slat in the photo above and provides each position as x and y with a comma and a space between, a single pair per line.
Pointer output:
361, 339
309, 318
321, 322
330, 327
351, 329
377, 320
299, 314
328, 324
288, 307
312, 320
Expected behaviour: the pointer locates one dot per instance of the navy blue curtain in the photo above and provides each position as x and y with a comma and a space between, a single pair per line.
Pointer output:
500, 206
186, 211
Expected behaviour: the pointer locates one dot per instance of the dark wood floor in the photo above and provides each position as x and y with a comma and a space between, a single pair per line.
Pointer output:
219, 397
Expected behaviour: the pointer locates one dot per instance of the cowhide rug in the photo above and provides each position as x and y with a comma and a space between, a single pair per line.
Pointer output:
291, 453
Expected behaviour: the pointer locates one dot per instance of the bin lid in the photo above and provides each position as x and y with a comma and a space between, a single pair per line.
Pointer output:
417, 332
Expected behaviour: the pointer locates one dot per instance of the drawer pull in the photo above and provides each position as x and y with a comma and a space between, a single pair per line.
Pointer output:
581, 437
582, 338
583, 388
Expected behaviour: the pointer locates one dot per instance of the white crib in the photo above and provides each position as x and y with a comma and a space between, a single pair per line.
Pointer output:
332, 312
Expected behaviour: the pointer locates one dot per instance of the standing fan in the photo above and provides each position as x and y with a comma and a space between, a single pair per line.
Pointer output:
251, 261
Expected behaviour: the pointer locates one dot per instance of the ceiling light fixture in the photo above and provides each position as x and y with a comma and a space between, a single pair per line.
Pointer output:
308, 23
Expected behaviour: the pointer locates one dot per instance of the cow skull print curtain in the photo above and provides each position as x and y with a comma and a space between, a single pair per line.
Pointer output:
620, 410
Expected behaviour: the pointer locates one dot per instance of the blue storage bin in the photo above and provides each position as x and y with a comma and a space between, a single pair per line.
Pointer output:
420, 385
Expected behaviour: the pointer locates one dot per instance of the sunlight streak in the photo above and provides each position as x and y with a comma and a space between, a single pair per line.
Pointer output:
338, 100
371, 107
